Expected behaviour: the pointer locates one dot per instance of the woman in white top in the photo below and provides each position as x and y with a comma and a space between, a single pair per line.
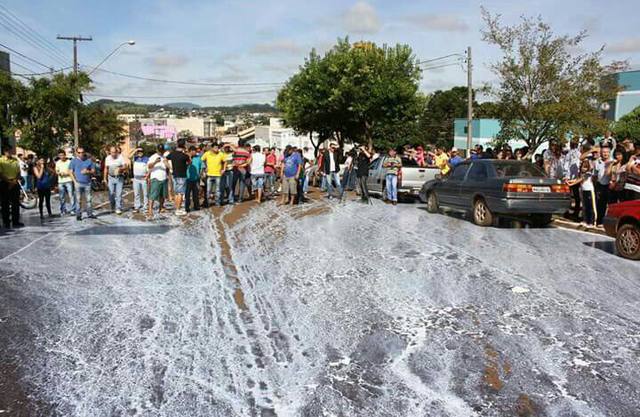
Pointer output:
257, 162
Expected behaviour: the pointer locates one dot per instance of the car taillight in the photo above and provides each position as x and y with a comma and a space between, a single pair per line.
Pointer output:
560, 188
517, 188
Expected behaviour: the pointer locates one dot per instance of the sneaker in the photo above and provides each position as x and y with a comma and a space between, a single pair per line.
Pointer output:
92, 216
118, 212
78, 218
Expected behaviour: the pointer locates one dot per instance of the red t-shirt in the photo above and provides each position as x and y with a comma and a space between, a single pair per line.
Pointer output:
270, 165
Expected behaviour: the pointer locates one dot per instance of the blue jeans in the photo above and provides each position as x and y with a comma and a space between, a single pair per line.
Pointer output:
305, 184
227, 182
66, 189
214, 182
140, 194
270, 183
83, 189
116, 184
392, 187
28, 182
334, 176
241, 178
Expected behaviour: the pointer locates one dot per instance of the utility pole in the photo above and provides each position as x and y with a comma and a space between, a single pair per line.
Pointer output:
469, 103
75, 40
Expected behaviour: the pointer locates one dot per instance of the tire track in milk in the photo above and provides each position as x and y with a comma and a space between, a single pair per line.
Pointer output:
260, 398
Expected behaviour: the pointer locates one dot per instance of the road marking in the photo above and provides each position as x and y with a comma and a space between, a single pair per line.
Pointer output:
25, 247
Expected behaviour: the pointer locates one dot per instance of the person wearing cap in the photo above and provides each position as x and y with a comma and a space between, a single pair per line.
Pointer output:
331, 169
455, 159
140, 180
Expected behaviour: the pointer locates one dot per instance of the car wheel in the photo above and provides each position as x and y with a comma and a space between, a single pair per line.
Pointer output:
432, 202
628, 241
482, 216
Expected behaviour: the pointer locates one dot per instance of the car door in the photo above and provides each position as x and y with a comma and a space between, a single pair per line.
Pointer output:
475, 182
449, 193
374, 182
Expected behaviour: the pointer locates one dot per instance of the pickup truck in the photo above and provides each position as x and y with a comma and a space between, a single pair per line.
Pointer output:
410, 180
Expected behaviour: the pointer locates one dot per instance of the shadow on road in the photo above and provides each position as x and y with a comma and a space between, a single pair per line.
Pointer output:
608, 246
124, 230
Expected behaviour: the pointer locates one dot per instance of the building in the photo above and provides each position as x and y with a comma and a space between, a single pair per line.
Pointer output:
278, 136
627, 99
5, 62
484, 132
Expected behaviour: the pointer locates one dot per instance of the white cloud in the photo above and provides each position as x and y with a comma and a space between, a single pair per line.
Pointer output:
625, 46
361, 18
280, 46
443, 23
167, 60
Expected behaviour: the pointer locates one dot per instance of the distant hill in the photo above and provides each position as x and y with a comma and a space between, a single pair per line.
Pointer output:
127, 107
183, 106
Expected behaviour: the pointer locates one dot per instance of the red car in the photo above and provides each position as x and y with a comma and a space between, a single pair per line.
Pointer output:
623, 222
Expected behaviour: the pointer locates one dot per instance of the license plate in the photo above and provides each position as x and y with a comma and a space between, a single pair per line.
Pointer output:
541, 189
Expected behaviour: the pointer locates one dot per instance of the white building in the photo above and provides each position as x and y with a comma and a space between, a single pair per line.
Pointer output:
278, 136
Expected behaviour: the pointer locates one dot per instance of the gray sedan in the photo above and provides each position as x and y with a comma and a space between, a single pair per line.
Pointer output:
488, 188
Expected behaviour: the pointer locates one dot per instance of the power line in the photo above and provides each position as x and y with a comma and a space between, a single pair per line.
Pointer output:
442, 66
198, 83
184, 96
22, 30
31, 72
24, 56
439, 58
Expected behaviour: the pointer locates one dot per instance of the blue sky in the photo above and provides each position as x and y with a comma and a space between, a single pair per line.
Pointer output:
266, 41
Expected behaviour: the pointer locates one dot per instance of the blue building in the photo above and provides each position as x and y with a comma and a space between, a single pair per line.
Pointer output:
483, 131
627, 99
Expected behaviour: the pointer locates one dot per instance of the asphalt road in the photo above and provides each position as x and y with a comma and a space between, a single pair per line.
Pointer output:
326, 310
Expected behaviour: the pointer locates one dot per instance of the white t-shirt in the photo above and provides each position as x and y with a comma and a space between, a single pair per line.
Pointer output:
587, 184
332, 162
113, 165
257, 163
140, 166
24, 168
159, 171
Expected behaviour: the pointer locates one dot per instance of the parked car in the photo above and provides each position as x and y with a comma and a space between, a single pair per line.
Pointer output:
410, 180
489, 188
622, 221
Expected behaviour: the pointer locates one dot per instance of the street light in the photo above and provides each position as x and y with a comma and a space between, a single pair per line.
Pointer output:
130, 42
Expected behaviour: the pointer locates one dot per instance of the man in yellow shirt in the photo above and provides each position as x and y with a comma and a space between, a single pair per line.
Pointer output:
214, 160
9, 187
442, 161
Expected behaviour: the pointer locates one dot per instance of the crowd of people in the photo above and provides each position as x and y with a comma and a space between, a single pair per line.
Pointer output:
186, 178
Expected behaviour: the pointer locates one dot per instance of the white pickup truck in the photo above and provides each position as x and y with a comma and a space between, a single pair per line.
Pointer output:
410, 179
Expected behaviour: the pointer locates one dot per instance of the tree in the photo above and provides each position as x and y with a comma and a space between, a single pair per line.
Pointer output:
358, 93
12, 104
100, 128
629, 125
443, 107
47, 104
546, 89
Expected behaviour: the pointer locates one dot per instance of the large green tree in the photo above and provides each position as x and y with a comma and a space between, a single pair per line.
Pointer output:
354, 93
99, 128
46, 121
437, 121
546, 89
12, 104
628, 126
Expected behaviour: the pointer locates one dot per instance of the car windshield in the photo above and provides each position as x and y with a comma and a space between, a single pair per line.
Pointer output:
517, 169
